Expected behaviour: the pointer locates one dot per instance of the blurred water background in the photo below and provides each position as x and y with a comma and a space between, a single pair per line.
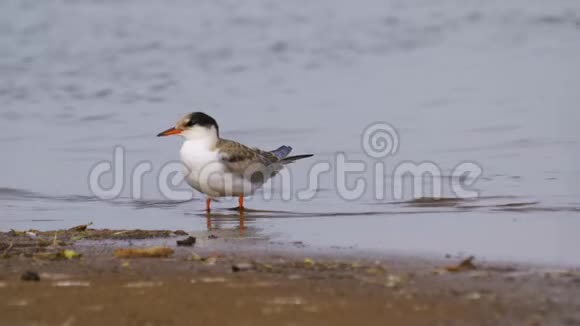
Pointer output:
493, 82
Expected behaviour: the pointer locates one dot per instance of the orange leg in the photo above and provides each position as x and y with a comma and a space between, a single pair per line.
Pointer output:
207, 205
241, 203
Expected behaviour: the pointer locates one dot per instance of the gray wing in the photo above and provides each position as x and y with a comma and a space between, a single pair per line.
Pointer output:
240, 159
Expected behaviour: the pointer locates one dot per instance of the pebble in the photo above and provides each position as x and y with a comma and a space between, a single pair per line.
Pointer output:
393, 281
242, 267
188, 242
71, 283
55, 276
473, 296
30, 276
143, 284
212, 280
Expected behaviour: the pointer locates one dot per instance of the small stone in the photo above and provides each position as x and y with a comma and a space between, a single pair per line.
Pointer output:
70, 254
212, 280
242, 267
308, 262
393, 281
81, 228
30, 276
194, 257
291, 301
19, 303
71, 284
188, 242
212, 236
143, 284
473, 296
54, 276
464, 265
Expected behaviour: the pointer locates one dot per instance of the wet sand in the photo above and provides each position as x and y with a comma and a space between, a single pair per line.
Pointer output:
227, 280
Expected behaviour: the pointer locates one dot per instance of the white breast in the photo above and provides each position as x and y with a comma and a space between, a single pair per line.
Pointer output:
205, 172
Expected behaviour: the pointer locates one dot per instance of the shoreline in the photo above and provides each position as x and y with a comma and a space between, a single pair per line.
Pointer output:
226, 280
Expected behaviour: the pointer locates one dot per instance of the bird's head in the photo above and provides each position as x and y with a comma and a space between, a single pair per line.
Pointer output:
194, 126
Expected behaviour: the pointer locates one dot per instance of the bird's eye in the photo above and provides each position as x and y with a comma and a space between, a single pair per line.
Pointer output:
190, 123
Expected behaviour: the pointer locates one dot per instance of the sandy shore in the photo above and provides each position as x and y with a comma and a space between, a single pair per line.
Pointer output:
79, 277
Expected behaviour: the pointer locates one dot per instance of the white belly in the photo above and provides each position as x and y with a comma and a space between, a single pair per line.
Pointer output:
205, 173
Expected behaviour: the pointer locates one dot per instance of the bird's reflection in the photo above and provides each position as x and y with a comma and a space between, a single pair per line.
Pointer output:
241, 221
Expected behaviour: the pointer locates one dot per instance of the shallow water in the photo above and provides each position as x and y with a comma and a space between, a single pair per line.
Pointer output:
493, 83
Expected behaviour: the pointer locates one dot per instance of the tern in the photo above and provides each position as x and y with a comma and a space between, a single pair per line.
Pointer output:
219, 167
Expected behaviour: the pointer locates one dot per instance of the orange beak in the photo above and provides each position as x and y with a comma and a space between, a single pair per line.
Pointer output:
169, 132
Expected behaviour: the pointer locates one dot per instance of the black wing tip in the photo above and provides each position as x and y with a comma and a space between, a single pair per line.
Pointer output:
291, 159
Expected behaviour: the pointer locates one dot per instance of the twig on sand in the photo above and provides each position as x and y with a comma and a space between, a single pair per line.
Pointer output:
143, 252
464, 265
5, 253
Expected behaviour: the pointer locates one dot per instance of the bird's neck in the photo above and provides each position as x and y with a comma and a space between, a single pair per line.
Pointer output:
207, 143
202, 138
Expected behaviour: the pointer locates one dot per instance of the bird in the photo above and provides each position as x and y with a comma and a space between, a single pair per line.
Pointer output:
219, 167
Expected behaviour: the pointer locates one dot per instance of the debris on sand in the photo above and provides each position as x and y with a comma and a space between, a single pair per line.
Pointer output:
71, 284
55, 255
32, 242
242, 267
212, 236
393, 281
180, 232
211, 280
30, 276
81, 228
143, 284
70, 254
210, 261
14, 233
473, 296
7, 249
464, 265
132, 234
143, 252
194, 257
287, 301
188, 242
55, 276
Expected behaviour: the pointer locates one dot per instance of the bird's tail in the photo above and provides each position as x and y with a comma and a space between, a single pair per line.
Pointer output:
282, 154
294, 158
